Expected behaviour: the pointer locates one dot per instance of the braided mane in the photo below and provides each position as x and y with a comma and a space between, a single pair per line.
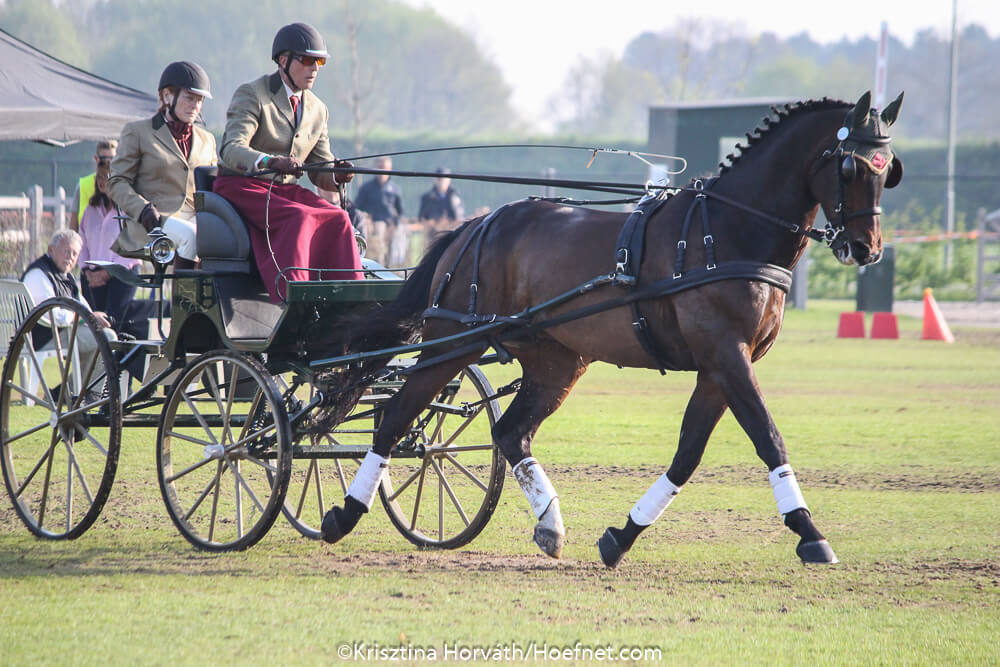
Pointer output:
791, 110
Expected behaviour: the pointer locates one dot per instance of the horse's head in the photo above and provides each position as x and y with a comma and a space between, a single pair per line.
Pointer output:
849, 179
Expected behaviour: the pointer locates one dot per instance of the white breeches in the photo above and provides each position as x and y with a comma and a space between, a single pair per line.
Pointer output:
184, 234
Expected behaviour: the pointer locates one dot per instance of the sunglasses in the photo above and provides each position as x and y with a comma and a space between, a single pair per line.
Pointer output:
104, 159
308, 61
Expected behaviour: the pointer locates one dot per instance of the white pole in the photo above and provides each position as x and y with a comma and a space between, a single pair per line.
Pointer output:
952, 122
881, 66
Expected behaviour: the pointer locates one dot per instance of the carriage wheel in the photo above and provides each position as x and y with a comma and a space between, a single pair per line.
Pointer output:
441, 489
223, 453
316, 482
60, 420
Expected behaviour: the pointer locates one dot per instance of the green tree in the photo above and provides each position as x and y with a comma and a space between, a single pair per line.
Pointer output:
45, 27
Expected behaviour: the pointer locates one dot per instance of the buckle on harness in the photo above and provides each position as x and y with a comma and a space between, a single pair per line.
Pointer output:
622, 260
709, 240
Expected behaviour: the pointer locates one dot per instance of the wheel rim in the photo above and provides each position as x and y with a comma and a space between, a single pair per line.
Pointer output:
441, 492
223, 452
60, 421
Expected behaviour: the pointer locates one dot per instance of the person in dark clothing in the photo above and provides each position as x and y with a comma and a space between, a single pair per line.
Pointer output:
441, 202
379, 197
50, 276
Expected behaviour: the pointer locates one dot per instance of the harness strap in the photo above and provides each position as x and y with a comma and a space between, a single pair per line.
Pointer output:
814, 234
629, 248
476, 235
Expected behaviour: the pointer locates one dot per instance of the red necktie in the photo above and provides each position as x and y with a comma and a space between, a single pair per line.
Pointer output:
294, 99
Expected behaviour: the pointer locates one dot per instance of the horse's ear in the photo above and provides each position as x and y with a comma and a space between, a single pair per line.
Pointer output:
858, 116
891, 111
895, 173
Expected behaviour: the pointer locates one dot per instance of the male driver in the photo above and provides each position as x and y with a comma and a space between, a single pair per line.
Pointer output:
277, 124
86, 186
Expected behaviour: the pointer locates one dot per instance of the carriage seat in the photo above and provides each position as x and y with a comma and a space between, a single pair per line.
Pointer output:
224, 247
223, 241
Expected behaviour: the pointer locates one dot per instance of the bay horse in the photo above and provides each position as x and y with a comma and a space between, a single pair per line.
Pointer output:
753, 222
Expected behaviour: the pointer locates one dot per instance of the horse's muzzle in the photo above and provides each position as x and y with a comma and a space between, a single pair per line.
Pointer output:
862, 253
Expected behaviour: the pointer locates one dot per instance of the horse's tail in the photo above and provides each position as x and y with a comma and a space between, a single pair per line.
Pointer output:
397, 323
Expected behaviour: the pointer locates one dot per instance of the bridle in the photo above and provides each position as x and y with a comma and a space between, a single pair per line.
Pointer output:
847, 170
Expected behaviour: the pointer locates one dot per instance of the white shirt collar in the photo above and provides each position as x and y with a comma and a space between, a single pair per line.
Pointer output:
289, 92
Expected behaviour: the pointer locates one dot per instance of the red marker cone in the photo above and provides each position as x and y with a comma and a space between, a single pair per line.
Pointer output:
935, 328
852, 325
884, 325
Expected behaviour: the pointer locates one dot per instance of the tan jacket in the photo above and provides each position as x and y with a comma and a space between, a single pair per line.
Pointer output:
260, 122
150, 168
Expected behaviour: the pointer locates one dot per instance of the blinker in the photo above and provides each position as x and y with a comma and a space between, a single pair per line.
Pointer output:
848, 168
842, 133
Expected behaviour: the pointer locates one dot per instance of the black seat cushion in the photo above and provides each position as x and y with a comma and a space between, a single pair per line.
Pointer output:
223, 241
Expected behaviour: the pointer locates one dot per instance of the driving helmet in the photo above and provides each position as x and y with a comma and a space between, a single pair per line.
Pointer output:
299, 38
186, 74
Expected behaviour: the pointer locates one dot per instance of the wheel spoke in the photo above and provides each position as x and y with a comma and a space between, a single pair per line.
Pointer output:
237, 473
33, 429
189, 469
409, 480
48, 478
38, 466
86, 433
263, 464
25, 394
458, 431
215, 500
213, 484
305, 488
79, 473
465, 471
188, 438
420, 488
41, 376
198, 415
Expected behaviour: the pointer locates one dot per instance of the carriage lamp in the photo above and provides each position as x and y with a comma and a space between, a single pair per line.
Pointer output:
160, 249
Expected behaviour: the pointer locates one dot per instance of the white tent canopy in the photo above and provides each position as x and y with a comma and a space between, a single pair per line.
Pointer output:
45, 99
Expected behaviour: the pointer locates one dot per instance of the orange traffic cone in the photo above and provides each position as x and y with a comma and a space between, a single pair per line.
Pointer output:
884, 325
852, 325
935, 328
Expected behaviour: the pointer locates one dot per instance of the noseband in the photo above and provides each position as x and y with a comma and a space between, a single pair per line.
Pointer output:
847, 171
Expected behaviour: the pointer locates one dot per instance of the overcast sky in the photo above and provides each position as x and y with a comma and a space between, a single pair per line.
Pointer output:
535, 42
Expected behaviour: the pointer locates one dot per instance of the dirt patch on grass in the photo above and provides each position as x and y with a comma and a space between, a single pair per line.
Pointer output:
898, 478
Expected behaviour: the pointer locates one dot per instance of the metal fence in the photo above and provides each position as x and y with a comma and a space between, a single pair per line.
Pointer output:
27, 221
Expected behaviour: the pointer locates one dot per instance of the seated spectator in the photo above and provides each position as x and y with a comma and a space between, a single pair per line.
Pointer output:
98, 231
441, 202
49, 276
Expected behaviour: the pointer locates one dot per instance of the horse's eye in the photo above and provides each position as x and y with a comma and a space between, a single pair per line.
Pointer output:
848, 169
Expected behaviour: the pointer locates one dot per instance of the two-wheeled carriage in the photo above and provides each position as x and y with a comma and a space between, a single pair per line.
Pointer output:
229, 392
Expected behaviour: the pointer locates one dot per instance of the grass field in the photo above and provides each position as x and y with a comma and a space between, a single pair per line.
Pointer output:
896, 445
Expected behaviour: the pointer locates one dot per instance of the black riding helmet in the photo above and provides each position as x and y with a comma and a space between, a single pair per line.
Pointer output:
298, 38
188, 75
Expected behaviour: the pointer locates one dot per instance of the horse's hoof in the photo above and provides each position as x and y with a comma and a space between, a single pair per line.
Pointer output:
330, 530
611, 552
817, 551
549, 541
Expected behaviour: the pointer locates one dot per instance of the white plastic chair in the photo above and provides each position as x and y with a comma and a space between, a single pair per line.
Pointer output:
15, 305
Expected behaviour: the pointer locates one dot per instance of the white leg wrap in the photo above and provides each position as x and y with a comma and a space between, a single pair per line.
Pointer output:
535, 484
365, 483
649, 508
786, 489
